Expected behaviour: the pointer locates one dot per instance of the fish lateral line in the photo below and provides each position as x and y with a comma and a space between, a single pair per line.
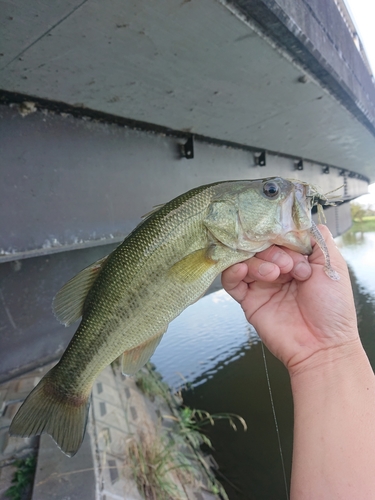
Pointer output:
163, 265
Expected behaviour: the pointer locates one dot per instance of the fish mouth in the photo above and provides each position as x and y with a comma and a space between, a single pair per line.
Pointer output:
299, 241
295, 216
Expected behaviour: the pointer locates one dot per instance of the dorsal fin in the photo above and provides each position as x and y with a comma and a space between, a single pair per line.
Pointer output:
154, 209
69, 300
134, 359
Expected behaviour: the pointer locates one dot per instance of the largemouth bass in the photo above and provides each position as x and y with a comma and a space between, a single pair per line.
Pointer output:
128, 298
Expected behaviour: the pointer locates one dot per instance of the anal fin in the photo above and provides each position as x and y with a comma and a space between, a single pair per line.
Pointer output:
134, 359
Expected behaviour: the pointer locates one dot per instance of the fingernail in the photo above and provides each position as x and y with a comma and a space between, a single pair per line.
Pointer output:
266, 268
302, 270
281, 259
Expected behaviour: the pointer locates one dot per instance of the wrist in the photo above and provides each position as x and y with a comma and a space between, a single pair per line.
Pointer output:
330, 362
334, 435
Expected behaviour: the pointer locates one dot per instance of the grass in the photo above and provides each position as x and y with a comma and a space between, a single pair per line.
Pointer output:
23, 479
193, 421
155, 462
148, 382
190, 421
365, 225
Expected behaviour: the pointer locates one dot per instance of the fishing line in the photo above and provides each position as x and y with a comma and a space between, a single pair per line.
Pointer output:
275, 420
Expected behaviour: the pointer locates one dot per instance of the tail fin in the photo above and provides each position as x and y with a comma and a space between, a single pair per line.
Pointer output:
46, 410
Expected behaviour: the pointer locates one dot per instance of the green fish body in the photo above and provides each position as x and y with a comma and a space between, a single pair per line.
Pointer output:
127, 299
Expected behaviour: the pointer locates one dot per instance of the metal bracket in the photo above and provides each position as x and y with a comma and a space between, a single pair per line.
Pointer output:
187, 149
260, 159
299, 165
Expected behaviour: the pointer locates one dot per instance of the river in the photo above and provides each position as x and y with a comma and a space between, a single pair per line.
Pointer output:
215, 357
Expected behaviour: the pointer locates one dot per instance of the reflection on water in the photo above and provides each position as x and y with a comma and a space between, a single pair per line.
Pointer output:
352, 238
359, 252
202, 341
212, 349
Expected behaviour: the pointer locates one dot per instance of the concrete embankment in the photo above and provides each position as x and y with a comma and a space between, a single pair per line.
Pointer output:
129, 436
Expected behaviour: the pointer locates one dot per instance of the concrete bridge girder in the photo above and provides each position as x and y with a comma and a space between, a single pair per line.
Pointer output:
73, 183
73, 188
105, 94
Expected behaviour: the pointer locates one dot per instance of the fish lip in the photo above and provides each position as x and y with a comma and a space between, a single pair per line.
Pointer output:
295, 216
298, 241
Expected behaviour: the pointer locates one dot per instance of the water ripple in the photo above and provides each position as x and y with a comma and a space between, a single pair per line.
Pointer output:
202, 340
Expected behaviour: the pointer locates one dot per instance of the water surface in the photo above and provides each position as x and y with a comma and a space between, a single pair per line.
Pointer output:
212, 352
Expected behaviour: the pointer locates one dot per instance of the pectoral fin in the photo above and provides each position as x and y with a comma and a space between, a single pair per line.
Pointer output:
69, 300
193, 266
134, 359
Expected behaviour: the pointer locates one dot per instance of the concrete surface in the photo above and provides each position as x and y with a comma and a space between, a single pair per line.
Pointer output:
59, 477
69, 183
12, 393
73, 188
101, 468
270, 74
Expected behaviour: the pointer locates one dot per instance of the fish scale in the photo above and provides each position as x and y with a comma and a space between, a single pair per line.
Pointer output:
166, 263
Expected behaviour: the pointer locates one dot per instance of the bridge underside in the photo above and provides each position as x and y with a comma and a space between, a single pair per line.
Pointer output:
76, 187
110, 108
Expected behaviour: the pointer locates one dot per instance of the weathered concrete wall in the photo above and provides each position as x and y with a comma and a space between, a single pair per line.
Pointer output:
71, 183
71, 188
286, 78
315, 35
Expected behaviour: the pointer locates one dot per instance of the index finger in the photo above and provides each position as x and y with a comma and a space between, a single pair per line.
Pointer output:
232, 281
292, 264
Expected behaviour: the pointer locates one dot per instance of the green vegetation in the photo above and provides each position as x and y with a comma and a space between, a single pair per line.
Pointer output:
23, 479
192, 422
366, 224
156, 462
150, 384
363, 218
152, 463
357, 211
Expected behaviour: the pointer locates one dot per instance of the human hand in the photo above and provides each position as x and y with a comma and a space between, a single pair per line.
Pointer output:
298, 311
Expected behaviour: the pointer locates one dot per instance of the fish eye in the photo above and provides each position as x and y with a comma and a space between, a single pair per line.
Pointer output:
271, 189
